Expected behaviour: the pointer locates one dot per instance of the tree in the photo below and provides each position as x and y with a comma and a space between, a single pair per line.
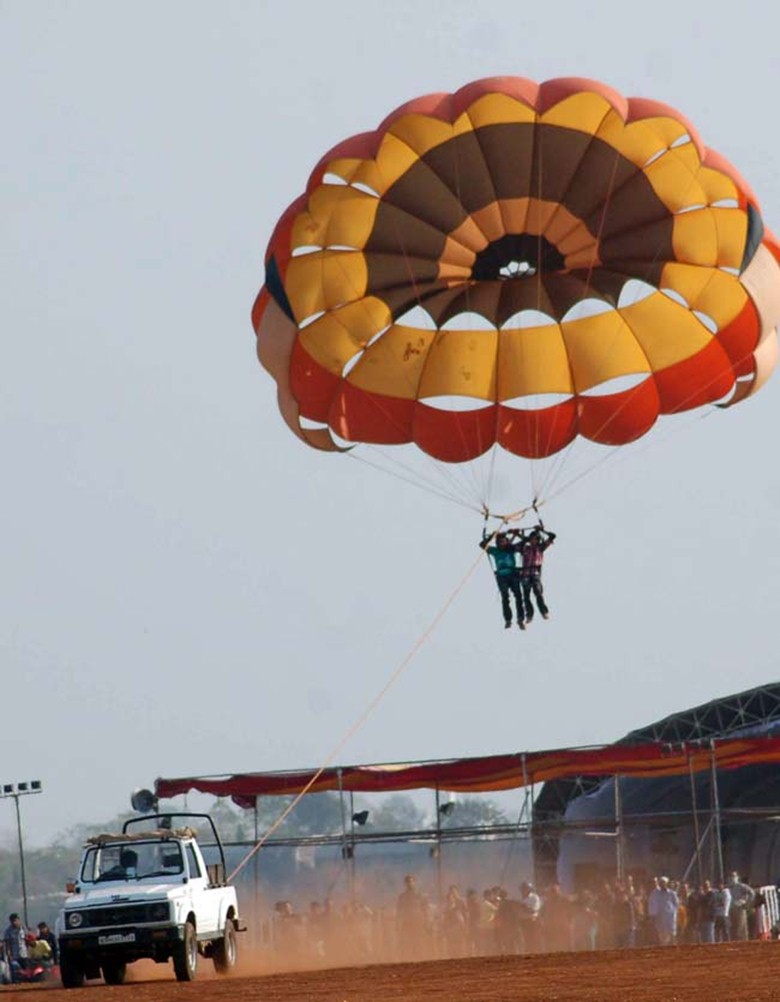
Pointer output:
474, 812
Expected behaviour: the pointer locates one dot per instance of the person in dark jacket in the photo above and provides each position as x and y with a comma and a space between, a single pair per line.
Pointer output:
45, 933
503, 556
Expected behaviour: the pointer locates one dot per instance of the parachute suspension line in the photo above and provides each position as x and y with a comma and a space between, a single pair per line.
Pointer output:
490, 476
410, 479
444, 483
624, 454
364, 716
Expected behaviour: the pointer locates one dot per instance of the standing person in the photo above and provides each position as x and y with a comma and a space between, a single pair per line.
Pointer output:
507, 924
45, 933
762, 924
455, 923
605, 906
556, 920
692, 907
624, 920
683, 919
528, 914
532, 548
487, 921
473, 922
662, 907
411, 921
15, 942
507, 573
722, 897
585, 922
742, 897
705, 912
5, 970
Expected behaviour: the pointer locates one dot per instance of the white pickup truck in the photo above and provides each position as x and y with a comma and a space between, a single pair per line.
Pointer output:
148, 892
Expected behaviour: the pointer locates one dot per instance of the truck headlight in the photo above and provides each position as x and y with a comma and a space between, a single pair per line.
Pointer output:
75, 919
159, 911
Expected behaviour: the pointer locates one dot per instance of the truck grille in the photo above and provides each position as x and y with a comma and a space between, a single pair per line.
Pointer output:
119, 915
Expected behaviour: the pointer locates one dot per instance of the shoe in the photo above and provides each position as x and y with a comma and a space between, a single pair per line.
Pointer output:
545, 615
521, 624
507, 624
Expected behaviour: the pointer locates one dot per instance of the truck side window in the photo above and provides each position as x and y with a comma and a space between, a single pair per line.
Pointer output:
193, 861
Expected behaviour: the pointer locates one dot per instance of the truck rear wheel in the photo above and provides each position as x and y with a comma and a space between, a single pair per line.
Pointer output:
71, 972
225, 950
185, 955
114, 971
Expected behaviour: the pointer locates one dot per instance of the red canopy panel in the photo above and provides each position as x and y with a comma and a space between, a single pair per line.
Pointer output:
490, 773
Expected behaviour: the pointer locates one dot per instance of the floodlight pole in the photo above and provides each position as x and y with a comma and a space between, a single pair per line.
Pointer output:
21, 858
15, 791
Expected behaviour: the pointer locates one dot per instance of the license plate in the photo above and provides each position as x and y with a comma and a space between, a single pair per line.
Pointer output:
116, 937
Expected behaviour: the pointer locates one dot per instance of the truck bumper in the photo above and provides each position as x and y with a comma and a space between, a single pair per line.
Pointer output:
133, 943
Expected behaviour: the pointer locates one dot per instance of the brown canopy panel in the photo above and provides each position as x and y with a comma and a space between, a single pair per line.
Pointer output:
489, 773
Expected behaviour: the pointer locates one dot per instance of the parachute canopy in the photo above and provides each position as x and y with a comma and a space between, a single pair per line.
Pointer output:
517, 264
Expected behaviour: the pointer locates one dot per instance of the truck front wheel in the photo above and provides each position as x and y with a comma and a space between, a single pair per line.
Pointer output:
225, 950
71, 972
185, 955
114, 971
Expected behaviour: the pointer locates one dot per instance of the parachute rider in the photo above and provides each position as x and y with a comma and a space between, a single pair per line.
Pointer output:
507, 573
532, 547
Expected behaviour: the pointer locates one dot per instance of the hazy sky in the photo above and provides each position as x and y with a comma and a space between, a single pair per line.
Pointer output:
184, 588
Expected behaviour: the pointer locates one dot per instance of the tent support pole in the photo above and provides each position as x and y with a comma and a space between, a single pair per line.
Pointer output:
256, 874
437, 853
716, 812
619, 848
345, 847
528, 811
695, 816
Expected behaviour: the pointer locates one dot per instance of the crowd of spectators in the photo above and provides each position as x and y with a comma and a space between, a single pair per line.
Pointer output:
619, 915
26, 955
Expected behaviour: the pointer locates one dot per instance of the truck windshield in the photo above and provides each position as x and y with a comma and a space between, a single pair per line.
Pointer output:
131, 861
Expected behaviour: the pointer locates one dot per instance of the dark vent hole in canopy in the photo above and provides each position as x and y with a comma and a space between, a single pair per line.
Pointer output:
517, 256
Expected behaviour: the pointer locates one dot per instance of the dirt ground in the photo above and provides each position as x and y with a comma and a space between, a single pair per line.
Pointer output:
745, 972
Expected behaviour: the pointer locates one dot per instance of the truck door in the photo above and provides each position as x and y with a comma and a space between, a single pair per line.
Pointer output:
207, 900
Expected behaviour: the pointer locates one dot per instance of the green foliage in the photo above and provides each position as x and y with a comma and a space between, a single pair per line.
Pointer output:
397, 813
474, 812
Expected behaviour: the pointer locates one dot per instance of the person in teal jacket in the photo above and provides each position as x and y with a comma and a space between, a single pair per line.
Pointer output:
503, 556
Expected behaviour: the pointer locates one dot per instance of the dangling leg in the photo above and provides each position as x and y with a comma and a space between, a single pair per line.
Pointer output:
517, 591
539, 593
529, 609
503, 581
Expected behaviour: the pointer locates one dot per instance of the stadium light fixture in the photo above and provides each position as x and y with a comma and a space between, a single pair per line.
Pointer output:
17, 790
